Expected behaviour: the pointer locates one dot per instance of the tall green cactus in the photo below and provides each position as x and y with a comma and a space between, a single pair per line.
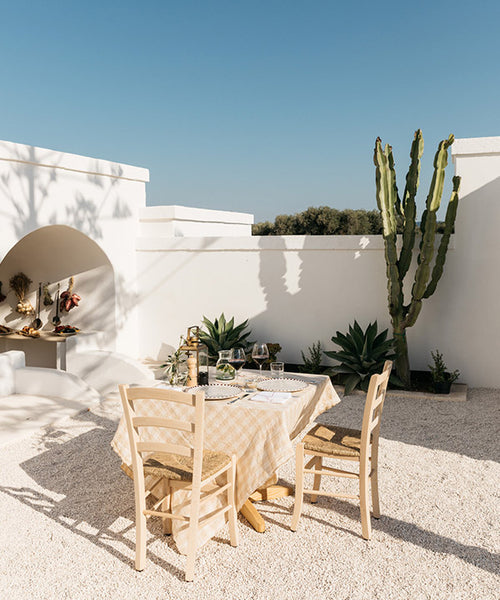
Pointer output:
402, 213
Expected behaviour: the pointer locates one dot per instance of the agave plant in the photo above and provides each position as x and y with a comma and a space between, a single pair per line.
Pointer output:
362, 354
223, 335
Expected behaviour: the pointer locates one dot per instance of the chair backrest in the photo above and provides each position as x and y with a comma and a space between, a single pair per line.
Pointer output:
374, 405
147, 427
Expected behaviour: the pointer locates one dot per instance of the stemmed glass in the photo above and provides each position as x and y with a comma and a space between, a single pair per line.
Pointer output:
260, 354
238, 359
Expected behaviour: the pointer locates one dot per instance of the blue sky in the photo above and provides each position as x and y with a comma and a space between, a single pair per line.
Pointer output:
264, 107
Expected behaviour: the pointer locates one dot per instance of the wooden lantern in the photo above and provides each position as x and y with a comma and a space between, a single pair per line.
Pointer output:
197, 355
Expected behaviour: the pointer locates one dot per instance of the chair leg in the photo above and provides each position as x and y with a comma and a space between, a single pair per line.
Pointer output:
375, 497
318, 464
232, 516
364, 501
193, 535
167, 507
140, 533
299, 485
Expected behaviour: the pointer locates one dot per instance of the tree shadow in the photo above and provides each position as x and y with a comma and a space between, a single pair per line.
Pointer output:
85, 474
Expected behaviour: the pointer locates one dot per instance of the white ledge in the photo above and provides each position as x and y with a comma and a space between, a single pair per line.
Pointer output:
302, 243
188, 213
475, 146
43, 157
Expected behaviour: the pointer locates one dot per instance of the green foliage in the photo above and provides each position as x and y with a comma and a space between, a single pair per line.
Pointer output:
224, 335
439, 371
362, 354
312, 362
399, 214
176, 366
274, 349
323, 220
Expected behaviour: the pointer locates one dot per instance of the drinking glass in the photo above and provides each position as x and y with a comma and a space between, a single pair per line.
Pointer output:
260, 354
237, 359
277, 369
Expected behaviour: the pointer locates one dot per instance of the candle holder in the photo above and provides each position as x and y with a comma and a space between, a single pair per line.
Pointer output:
197, 357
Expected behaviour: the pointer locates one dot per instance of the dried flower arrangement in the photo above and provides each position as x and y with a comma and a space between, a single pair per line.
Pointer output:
47, 298
20, 283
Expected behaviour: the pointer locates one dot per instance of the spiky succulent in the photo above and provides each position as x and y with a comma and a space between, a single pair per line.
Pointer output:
362, 354
224, 335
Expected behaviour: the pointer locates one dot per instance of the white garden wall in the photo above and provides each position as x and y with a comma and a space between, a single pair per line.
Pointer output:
296, 290
166, 267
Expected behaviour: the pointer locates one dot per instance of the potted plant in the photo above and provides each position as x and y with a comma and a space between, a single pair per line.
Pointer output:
176, 367
441, 377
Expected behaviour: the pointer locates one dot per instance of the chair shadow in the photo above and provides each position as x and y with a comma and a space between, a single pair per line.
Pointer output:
396, 528
95, 493
468, 428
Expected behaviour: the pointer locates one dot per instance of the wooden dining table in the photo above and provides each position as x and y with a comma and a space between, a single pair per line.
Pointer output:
261, 435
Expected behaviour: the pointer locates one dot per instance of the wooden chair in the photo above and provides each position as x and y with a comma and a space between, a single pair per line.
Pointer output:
330, 441
174, 466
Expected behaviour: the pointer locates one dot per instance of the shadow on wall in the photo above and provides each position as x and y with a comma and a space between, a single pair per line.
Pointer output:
461, 318
310, 293
52, 255
31, 189
25, 191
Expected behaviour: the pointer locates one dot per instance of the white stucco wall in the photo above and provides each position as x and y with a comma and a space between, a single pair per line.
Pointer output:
296, 290
463, 319
101, 199
172, 265
184, 221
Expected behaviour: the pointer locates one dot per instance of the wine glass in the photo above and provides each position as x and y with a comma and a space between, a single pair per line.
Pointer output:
237, 359
260, 354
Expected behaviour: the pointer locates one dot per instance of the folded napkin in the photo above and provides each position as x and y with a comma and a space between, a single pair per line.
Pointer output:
272, 397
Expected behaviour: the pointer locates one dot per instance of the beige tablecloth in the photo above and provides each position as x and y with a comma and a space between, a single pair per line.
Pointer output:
260, 434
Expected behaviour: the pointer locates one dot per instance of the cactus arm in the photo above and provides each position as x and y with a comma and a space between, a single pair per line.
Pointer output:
440, 161
426, 253
451, 214
409, 205
386, 201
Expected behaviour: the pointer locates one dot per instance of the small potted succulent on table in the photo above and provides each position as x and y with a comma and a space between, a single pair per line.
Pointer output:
441, 377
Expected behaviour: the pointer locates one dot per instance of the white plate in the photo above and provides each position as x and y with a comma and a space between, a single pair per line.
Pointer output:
282, 385
217, 392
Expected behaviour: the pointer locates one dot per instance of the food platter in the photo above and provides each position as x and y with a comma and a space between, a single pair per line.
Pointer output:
217, 392
66, 330
28, 331
282, 385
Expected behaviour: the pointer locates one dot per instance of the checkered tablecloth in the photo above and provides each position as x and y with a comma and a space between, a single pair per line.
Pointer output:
260, 434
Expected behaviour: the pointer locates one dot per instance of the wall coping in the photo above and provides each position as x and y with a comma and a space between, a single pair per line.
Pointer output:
44, 157
176, 212
475, 146
302, 243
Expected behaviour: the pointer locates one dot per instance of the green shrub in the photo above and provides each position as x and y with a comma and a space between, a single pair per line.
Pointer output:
312, 362
439, 370
362, 354
323, 220
224, 335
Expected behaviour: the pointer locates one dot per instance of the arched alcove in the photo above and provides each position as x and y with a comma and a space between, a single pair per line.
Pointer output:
53, 254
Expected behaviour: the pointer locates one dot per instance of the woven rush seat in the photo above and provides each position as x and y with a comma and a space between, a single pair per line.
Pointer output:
330, 439
180, 468
325, 442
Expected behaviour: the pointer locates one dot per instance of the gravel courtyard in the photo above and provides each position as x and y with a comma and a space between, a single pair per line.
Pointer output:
67, 518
